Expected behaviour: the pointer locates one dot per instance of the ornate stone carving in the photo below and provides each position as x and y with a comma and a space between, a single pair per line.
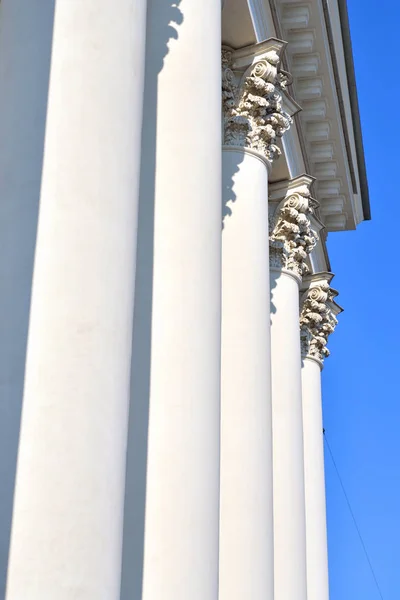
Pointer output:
317, 319
252, 104
291, 237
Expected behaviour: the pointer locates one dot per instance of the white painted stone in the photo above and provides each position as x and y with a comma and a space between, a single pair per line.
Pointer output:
318, 130
329, 188
321, 152
246, 526
316, 60
295, 17
313, 110
325, 170
257, 111
67, 533
67, 521
300, 42
288, 465
336, 222
305, 65
310, 88
182, 483
314, 479
25, 48
318, 320
333, 205
293, 237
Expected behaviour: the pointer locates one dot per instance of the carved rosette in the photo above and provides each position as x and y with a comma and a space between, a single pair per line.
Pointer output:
252, 104
291, 236
317, 320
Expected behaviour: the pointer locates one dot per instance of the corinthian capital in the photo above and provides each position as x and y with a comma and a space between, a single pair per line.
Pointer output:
292, 237
256, 107
318, 316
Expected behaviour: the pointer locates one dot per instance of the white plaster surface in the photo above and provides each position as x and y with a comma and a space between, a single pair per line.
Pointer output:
72, 87
182, 470
317, 550
25, 46
67, 523
246, 536
288, 463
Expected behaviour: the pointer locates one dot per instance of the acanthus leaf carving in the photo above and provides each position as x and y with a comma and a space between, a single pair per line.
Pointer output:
252, 104
317, 320
291, 236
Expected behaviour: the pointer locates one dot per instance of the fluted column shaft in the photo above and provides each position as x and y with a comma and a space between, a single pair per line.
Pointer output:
67, 522
182, 484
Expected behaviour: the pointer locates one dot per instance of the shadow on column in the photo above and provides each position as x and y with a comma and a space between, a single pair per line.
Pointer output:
274, 276
163, 17
26, 30
229, 170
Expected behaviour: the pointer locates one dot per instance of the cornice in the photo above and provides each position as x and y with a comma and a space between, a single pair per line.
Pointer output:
323, 138
261, 18
323, 122
352, 87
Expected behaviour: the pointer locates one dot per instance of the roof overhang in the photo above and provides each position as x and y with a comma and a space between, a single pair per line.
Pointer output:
325, 140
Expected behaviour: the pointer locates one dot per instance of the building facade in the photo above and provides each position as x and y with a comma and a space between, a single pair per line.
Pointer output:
169, 173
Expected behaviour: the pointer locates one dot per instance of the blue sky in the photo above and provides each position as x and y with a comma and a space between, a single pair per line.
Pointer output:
361, 379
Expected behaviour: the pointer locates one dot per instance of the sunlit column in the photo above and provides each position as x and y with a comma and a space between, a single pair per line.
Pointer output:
292, 239
250, 82
67, 521
182, 483
317, 321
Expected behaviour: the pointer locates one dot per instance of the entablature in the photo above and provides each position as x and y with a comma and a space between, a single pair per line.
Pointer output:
322, 140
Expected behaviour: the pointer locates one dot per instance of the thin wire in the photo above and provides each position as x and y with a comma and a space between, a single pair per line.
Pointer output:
353, 517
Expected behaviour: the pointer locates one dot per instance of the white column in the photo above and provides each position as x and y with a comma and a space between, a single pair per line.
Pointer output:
246, 513
317, 320
246, 544
67, 522
317, 550
289, 508
182, 494
291, 240
25, 49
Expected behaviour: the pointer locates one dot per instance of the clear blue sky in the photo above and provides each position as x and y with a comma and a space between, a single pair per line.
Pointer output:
361, 379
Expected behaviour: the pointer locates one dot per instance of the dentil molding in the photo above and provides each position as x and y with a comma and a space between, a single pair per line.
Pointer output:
318, 316
256, 107
292, 237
